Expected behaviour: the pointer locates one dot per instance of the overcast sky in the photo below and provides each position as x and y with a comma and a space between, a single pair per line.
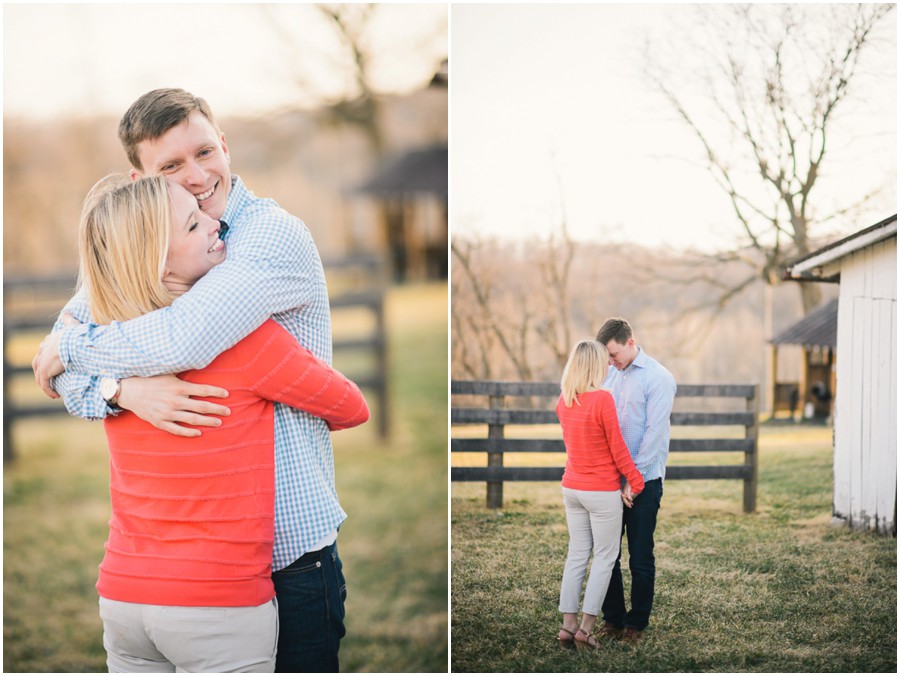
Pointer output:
549, 107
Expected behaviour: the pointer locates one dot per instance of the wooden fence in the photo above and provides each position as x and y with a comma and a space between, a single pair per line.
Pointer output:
357, 285
497, 417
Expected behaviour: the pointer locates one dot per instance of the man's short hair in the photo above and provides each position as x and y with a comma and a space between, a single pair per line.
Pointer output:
155, 113
616, 329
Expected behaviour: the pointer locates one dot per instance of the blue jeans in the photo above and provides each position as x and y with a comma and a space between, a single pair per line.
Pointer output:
638, 523
311, 594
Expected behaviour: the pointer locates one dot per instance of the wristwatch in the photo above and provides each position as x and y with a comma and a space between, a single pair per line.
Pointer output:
110, 389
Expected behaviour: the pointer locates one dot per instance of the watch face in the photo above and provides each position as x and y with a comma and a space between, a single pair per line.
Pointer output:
108, 387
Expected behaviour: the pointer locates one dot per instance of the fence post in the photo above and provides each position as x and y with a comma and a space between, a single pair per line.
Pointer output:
8, 412
381, 358
751, 457
495, 431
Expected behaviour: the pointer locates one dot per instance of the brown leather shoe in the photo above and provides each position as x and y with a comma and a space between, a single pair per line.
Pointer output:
609, 630
632, 635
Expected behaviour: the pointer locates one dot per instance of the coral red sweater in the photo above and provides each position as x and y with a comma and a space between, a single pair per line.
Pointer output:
596, 454
193, 518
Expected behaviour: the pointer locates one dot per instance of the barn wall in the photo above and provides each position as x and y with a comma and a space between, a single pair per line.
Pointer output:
865, 434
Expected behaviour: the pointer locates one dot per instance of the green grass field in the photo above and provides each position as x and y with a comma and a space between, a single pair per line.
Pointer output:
780, 590
393, 544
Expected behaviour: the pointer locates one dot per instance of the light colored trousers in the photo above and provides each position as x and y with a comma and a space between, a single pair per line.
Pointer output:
595, 525
140, 637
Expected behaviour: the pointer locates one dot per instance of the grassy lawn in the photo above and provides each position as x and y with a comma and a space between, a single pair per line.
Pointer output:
393, 544
780, 590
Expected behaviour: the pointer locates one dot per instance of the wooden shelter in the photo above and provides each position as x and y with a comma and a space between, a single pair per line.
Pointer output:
865, 406
412, 189
813, 393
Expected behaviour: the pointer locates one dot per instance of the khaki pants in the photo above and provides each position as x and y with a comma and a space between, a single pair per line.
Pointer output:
595, 525
167, 639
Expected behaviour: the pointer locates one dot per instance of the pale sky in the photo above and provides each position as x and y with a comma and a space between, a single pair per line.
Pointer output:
546, 91
84, 59
538, 93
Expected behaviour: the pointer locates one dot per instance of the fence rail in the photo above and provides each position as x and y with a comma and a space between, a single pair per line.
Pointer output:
497, 417
32, 302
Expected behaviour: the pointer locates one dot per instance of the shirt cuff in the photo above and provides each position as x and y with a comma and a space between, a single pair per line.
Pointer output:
67, 343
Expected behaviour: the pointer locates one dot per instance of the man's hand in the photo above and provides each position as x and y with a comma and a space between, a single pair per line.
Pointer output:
165, 401
46, 363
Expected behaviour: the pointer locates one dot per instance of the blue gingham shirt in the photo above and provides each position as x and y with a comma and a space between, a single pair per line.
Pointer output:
272, 268
644, 393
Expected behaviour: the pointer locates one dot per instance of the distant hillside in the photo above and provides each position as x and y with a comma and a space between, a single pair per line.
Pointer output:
657, 291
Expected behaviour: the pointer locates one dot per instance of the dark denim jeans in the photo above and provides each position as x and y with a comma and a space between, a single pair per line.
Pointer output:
638, 523
311, 594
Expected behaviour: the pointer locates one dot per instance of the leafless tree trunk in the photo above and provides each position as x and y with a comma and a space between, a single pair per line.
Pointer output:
489, 320
555, 330
776, 77
359, 105
525, 316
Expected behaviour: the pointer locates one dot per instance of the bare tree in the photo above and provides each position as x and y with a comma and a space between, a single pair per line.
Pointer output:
351, 23
506, 321
354, 26
774, 79
469, 361
526, 309
357, 103
501, 308
555, 267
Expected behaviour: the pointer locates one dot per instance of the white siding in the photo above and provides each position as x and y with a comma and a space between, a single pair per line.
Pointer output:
865, 435
847, 414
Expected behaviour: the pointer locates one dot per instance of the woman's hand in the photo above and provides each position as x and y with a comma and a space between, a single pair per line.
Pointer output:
627, 495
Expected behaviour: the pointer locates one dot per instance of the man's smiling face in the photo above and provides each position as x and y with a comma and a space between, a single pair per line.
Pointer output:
194, 155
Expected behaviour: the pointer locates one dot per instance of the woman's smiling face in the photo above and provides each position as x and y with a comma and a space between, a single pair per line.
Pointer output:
194, 244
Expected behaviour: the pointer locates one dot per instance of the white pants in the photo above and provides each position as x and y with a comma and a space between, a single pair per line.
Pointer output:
140, 637
595, 525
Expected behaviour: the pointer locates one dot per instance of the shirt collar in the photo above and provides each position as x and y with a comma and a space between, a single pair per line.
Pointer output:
640, 360
236, 198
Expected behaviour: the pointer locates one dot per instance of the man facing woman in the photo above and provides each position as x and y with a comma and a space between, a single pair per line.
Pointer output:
596, 460
186, 581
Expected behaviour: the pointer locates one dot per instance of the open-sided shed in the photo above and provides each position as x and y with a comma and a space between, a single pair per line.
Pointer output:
816, 334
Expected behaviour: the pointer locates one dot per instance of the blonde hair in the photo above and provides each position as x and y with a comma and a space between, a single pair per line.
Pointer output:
123, 241
585, 370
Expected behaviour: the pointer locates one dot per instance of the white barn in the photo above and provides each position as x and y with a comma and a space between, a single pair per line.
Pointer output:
865, 414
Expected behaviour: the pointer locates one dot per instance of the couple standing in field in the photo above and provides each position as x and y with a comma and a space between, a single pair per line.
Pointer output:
222, 552
614, 409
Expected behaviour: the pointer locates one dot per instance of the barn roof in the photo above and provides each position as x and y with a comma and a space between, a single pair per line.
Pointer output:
812, 266
818, 328
417, 171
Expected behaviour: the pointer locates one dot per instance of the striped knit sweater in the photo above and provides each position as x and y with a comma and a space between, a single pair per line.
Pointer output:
193, 518
596, 454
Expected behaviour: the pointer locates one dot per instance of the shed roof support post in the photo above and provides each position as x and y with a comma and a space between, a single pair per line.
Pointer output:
773, 377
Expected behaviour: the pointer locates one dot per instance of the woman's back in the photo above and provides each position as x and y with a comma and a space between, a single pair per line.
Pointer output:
596, 454
193, 518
